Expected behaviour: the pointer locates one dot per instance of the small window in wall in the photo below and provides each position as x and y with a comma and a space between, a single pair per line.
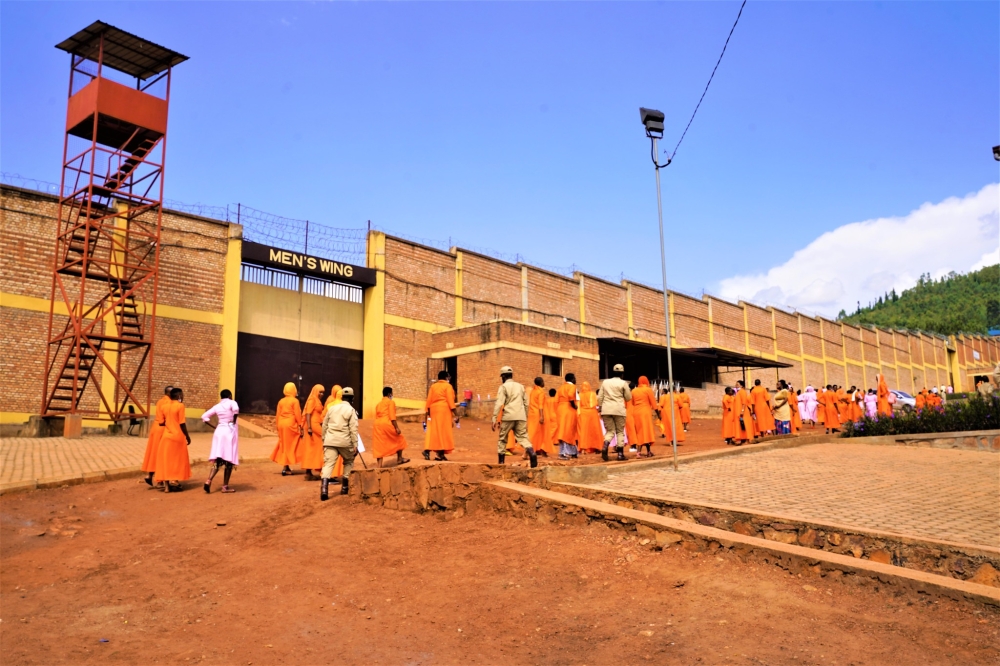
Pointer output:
269, 277
551, 366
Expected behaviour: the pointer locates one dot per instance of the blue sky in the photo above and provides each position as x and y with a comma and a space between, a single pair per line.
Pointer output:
514, 126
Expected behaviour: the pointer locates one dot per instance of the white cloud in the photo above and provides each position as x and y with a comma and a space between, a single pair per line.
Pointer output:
861, 261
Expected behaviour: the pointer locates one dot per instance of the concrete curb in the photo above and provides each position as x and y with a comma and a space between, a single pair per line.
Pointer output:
93, 477
773, 551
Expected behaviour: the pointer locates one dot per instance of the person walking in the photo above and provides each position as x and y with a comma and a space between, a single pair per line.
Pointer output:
387, 438
782, 409
730, 420
566, 427
590, 421
762, 408
172, 462
684, 405
312, 442
643, 405
340, 442
612, 397
225, 450
536, 413
512, 402
884, 402
155, 435
440, 418
288, 419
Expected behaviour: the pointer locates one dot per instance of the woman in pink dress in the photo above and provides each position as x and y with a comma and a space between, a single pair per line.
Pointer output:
808, 409
226, 440
871, 404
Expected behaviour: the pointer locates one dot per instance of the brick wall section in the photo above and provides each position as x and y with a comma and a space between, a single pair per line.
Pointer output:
833, 338
885, 343
690, 319
902, 344
761, 331
419, 283
868, 342
786, 328
648, 321
551, 298
27, 234
606, 308
814, 373
852, 343
727, 326
187, 355
406, 354
193, 262
480, 371
491, 289
811, 337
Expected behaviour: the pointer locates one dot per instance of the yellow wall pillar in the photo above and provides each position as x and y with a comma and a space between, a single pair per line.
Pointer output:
583, 308
231, 309
524, 294
109, 387
458, 289
673, 324
628, 306
374, 360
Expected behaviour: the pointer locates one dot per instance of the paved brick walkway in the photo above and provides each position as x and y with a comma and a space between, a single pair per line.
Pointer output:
926, 493
26, 458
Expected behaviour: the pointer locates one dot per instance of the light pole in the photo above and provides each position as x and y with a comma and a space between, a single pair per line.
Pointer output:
653, 122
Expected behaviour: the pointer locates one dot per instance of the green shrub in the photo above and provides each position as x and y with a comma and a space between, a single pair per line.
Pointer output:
975, 413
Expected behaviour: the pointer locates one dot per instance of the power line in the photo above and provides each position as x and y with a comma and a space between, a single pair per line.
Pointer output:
698, 105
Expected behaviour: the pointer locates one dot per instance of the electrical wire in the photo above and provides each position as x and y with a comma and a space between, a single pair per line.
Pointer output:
698, 105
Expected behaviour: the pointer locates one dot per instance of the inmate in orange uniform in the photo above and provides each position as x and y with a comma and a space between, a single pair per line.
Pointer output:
828, 403
536, 405
551, 426
155, 434
762, 409
630, 433
385, 440
665, 416
744, 409
440, 403
857, 405
591, 437
565, 414
172, 462
684, 404
312, 416
883, 397
793, 404
288, 419
643, 404
843, 410
921, 399
730, 422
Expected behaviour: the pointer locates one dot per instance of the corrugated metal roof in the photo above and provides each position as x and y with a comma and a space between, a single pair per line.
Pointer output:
123, 51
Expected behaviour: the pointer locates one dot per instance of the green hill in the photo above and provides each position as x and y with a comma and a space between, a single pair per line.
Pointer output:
968, 303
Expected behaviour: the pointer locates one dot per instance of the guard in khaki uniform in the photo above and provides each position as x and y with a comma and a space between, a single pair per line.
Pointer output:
340, 440
512, 399
611, 399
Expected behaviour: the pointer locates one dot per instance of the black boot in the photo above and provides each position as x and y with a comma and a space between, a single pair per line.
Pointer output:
427, 455
500, 457
621, 452
604, 452
324, 490
343, 486
533, 458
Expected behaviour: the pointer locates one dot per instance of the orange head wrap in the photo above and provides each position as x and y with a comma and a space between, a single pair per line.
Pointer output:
643, 381
314, 396
585, 386
290, 389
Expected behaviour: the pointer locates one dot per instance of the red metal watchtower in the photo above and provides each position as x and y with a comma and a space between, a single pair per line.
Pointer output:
105, 273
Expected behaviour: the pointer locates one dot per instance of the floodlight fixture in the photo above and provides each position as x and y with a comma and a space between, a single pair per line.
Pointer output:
652, 120
996, 153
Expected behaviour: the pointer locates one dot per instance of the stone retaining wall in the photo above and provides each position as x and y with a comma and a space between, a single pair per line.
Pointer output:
952, 560
979, 440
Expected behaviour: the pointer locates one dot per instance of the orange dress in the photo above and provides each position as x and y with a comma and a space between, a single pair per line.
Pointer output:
536, 405
666, 425
762, 409
643, 404
744, 409
155, 435
630, 432
857, 406
385, 441
551, 426
829, 400
684, 404
566, 430
921, 399
883, 405
591, 437
440, 402
312, 415
172, 462
288, 420
793, 405
730, 422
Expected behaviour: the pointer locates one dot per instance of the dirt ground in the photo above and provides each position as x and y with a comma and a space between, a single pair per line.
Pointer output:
120, 573
475, 442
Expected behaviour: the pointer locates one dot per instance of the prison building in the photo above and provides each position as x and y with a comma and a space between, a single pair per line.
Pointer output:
250, 317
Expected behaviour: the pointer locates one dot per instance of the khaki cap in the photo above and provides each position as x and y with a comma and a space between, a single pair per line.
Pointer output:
347, 390
506, 370
618, 368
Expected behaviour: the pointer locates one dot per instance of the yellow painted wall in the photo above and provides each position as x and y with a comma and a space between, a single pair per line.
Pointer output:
280, 313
